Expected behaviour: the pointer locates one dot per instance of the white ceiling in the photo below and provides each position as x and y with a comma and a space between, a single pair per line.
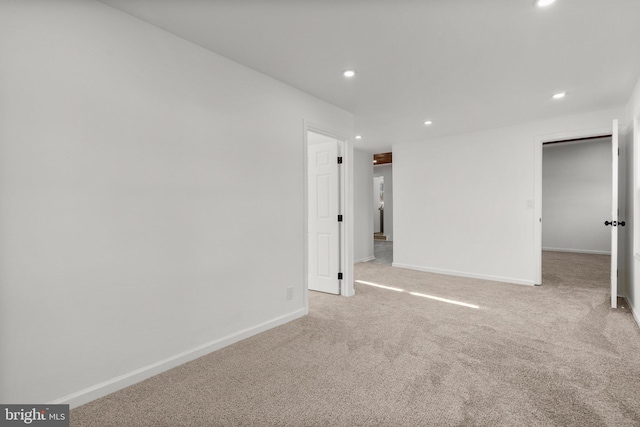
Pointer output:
465, 64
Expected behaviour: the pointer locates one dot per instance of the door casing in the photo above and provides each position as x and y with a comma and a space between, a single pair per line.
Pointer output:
346, 202
537, 217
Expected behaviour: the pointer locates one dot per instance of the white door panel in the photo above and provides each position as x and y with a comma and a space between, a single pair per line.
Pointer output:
324, 231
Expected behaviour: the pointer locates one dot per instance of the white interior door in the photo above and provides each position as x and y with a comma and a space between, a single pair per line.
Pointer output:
324, 230
614, 215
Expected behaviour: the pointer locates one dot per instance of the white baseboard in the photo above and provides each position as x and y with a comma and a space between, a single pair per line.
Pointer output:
579, 251
633, 312
464, 274
107, 387
367, 259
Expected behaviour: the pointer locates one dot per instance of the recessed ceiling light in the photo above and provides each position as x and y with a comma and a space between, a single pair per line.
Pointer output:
358, 136
559, 95
349, 73
544, 3
428, 122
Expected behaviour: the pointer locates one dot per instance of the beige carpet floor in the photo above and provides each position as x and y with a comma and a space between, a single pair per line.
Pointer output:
554, 355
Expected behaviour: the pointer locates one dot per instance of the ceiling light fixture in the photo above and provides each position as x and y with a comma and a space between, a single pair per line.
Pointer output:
559, 95
349, 73
544, 3
428, 122
358, 136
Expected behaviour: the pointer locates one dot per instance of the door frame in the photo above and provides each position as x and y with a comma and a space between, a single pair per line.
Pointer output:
345, 148
632, 165
540, 140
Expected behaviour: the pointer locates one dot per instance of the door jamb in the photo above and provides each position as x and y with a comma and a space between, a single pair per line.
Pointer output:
345, 148
634, 129
537, 191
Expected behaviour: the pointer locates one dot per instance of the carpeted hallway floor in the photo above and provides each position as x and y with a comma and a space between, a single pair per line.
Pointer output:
554, 355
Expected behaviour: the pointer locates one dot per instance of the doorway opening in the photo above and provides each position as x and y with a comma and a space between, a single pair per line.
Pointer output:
579, 176
328, 212
576, 201
576, 195
378, 208
383, 208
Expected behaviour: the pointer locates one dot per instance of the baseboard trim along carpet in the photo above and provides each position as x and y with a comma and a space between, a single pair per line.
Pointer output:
577, 251
107, 387
465, 274
367, 259
412, 349
633, 312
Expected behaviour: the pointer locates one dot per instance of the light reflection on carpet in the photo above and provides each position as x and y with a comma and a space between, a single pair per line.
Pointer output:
417, 294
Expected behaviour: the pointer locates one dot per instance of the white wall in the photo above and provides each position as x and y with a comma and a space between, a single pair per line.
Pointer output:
576, 196
461, 203
363, 206
151, 200
386, 171
631, 141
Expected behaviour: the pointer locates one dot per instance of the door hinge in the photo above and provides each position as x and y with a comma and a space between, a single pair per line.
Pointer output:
339, 276
618, 151
340, 160
339, 218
